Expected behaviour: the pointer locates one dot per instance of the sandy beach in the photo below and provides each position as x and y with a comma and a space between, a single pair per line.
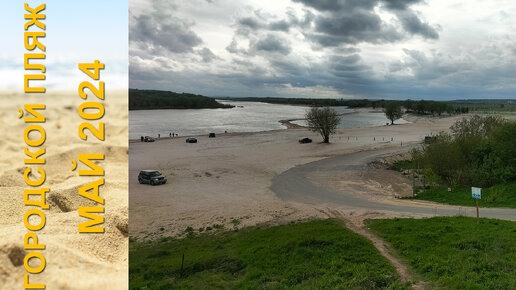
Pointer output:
225, 181
73, 260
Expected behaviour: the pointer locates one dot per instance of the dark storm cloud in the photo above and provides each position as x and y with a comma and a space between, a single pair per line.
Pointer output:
352, 28
280, 26
341, 22
338, 5
250, 22
256, 23
207, 55
412, 24
157, 33
356, 21
399, 4
273, 43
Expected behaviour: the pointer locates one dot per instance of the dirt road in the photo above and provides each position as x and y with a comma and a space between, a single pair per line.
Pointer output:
300, 184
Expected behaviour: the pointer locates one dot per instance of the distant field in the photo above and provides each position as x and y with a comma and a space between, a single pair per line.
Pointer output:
453, 252
320, 254
501, 195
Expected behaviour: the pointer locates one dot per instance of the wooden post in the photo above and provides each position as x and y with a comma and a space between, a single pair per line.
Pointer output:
182, 262
413, 182
477, 212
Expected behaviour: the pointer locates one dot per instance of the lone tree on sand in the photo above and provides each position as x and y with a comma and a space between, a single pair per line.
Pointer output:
393, 111
323, 120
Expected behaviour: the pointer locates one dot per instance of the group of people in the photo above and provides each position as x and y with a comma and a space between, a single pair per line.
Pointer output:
171, 135
159, 136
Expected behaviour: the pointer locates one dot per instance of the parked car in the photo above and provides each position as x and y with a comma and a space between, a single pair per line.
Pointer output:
211, 135
191, 140
152, 177
148, 139
305, 140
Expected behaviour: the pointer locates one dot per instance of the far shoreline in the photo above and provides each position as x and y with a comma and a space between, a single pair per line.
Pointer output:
287, 123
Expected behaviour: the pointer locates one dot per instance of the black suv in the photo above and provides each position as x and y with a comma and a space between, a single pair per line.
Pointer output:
151, 177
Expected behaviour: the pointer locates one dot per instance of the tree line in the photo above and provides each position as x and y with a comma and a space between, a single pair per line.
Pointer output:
422, 107
154, 99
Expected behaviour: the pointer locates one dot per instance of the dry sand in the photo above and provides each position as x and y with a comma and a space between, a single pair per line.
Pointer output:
225, 180
73, 260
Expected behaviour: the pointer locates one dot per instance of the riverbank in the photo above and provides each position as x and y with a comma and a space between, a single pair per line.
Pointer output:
226, 178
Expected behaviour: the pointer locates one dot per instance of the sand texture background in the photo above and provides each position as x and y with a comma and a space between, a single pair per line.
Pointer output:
73, 260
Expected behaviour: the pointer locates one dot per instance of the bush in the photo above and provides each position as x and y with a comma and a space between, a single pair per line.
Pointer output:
480, 152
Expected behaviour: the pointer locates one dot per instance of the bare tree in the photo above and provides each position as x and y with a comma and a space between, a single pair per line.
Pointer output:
323, 120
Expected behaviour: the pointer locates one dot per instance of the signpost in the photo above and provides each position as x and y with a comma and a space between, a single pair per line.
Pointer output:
476, 193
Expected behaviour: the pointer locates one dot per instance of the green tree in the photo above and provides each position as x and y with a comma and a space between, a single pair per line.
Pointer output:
478, 126
393, 111
323, 120
480, 151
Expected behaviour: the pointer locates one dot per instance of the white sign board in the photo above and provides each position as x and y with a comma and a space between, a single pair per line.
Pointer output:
476, 192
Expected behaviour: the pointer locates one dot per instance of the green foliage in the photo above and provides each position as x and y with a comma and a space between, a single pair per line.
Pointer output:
431, 179
455, 252
320, 254
500, 195
236, 222
477, 126
323, 120
480, 152
402, 165
393, 111
152, 99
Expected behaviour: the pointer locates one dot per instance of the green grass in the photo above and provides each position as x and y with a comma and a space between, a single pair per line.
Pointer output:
320, 254
501, 195
453, 252
400, 165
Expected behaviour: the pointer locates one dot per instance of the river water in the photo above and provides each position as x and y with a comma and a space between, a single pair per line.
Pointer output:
245, 117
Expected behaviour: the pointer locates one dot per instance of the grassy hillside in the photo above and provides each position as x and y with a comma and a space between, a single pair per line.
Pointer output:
320, 254
152, 99
455, 252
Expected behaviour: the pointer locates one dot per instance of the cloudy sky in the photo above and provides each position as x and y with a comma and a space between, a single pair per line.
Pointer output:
394, 49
